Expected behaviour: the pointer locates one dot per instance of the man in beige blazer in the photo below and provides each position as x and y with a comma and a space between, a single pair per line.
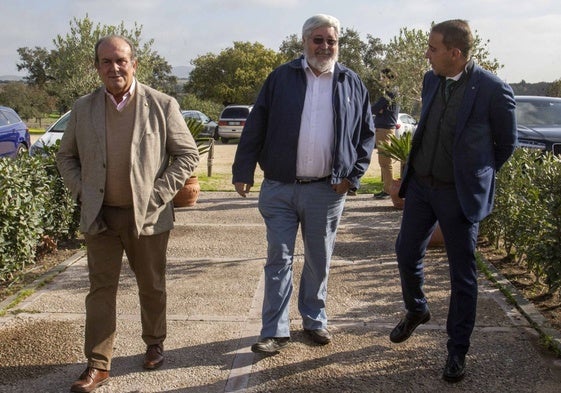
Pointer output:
125, 153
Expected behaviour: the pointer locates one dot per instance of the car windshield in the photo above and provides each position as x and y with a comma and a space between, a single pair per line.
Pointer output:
235, 113
60, 125
538, 113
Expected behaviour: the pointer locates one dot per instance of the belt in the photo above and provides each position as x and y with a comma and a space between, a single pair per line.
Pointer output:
308, 181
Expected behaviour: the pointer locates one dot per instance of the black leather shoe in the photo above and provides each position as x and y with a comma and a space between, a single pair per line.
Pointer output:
270, 345
89, 380
407, 326
382, 195
455, 368
319, 336
154, 356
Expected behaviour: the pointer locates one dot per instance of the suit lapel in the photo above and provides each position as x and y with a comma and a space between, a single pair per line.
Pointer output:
141, 115
428, 98
468, 101
98, 113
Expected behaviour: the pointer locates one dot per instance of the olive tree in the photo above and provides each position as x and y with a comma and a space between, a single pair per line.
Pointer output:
235, 75
68, 72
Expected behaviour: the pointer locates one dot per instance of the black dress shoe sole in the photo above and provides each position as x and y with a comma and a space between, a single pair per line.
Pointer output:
454, 378
424, 319
269, 347
454, 371
318, 338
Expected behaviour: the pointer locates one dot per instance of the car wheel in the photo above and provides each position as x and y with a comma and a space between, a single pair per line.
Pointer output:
21, 150
224, 140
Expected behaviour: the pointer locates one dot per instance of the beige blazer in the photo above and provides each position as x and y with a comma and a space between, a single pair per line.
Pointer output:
163, 156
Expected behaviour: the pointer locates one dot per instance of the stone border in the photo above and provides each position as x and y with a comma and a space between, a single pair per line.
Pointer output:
11, 301
550, 336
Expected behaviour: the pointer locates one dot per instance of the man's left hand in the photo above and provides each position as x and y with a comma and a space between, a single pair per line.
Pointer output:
343, 187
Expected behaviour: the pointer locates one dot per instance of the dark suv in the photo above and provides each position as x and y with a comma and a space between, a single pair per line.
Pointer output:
231, 121
539, 122
14, 134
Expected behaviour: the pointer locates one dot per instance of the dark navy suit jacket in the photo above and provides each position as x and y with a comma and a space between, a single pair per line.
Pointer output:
485, 137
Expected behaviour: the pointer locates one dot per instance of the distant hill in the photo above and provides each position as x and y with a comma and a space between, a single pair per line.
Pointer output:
181, 72
530, 89
10, 78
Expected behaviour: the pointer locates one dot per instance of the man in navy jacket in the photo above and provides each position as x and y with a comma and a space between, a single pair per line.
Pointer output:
466, 132
386, 112
311, 132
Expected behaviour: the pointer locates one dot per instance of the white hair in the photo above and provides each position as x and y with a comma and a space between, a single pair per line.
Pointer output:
320, 20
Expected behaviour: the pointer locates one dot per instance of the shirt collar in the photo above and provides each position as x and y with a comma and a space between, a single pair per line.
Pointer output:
126, 96
466, 70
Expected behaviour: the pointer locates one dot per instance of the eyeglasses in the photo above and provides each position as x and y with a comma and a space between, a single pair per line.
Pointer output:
321, 40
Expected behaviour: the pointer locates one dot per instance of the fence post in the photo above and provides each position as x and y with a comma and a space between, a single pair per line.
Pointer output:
210, 157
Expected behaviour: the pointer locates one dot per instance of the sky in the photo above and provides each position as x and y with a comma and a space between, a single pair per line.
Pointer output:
524, 36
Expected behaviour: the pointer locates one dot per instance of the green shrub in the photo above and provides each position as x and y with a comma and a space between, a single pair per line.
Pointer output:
34, 205
526, 220
209, 108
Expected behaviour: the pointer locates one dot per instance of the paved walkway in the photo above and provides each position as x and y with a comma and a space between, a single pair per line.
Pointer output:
215, 289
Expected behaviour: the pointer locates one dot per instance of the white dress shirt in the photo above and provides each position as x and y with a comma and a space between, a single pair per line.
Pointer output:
316, 139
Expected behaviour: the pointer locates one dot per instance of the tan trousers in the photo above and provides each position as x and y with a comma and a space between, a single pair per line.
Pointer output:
382, 135
147, 259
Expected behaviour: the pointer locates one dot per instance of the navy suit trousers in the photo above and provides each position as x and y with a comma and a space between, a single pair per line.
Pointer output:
425, 205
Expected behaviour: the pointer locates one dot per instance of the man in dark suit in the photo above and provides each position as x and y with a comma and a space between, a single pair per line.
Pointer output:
466, 132
124, 155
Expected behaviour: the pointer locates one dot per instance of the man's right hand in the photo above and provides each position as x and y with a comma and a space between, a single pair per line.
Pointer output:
242, 188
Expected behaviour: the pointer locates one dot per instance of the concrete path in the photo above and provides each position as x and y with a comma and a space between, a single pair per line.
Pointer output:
215, 288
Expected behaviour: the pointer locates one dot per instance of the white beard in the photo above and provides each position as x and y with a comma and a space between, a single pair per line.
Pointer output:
322, 65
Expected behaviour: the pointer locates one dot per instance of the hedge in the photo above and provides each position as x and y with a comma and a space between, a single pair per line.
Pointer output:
35, 209
526, 220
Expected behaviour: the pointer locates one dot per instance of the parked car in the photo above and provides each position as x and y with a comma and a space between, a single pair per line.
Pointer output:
232, 120
55, 131
405, 123
539, 122
14, 134
51, 136
210, 127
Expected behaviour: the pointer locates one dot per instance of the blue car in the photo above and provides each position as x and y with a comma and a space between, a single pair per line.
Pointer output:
14, 134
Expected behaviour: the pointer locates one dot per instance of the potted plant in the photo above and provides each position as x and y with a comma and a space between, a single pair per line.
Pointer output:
188, 195
397, 148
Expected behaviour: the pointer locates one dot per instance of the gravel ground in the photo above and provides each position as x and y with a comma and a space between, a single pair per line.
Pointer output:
215, 288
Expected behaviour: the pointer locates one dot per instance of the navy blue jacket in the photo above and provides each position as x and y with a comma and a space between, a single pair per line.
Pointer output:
485, 137
270, 135
385, 112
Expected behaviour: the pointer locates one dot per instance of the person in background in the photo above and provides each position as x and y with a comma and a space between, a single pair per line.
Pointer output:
125, 153
385, 111
311, 132
466, 132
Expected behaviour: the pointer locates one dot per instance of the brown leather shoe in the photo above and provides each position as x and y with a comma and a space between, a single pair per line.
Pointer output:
90, 379
154, 357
